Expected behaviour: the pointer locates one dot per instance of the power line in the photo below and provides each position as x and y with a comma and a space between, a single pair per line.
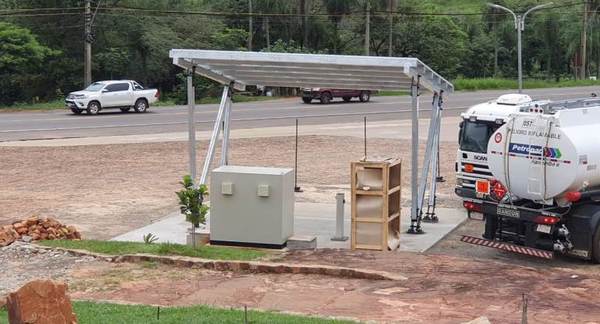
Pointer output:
39, 9
10, 15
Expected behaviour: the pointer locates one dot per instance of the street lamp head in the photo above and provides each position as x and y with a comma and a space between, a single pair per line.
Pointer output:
538, 7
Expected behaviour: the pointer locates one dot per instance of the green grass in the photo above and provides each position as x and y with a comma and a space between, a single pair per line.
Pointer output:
56, 104
504, 84
388, 93
91, 312
120, 248
60, 104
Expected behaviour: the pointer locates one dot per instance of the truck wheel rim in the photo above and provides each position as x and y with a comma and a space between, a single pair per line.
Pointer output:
141, 106
94, 108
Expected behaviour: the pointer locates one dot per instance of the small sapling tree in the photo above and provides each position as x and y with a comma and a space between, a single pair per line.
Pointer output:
191, 203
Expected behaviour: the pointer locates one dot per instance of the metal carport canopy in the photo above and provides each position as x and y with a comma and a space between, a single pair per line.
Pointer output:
240, 69
309, 70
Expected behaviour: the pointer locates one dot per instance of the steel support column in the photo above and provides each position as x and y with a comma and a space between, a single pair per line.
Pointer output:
430, 216
433, 126
215, 134
414, 215
226, 131
191, 99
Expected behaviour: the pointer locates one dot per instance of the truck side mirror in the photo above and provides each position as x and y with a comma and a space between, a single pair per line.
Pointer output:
460, 132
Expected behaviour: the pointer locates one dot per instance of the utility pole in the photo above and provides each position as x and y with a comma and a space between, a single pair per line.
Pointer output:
368, 28
87, 56
584, 40
268, 35
250, 27
391, 31
304, 8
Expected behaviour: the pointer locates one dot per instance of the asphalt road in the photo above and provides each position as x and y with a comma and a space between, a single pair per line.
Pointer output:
63, 124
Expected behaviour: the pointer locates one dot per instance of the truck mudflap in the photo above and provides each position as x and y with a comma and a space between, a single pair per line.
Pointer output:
508, 247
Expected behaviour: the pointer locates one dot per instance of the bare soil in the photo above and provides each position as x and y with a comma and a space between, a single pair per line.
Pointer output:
439, 289
107, 190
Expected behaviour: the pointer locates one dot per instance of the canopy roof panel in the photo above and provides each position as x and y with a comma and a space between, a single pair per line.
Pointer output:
309, 70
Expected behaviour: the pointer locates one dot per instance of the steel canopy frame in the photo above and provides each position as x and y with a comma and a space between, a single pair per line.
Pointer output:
236, 70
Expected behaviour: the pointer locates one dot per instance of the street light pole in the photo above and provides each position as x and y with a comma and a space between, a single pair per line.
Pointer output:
520, 27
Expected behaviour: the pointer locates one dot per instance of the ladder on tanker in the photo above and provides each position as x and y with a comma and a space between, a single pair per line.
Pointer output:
538, 145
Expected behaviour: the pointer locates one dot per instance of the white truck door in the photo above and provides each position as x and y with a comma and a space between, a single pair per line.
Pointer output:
106, 98
116, 95
123, 94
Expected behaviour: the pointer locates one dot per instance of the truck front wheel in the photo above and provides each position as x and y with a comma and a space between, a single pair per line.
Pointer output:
306, 100
93, 108
76, 111
141, 105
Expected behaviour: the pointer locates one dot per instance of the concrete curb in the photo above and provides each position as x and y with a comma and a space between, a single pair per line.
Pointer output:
239, 266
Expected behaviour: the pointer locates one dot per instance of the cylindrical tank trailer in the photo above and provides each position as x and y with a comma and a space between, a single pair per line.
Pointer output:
547, 157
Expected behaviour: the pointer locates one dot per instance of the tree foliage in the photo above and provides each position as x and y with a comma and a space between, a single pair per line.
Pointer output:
41, 56
21, 62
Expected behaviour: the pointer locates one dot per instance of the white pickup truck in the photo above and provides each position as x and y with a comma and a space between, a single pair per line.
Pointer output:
122, 94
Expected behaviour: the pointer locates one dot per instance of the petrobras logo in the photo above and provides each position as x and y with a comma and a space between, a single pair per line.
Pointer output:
535, 150
525, 149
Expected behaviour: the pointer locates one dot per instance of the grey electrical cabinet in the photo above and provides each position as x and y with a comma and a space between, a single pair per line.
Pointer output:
251, 206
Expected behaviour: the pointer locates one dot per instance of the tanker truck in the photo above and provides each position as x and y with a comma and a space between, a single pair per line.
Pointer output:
543, 193
478, 123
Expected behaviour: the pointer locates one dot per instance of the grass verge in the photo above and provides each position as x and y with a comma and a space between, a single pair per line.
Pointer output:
120, 248
91, 312
505, 84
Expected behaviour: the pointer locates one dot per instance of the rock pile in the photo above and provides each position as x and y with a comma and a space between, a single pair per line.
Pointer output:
35, 229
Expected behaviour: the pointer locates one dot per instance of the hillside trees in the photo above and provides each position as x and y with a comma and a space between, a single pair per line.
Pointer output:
21, 63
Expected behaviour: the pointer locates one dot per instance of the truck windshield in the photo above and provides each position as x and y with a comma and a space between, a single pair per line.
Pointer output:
475, 135
96, 86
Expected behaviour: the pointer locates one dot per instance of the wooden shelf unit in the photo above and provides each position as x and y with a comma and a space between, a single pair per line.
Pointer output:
376, 193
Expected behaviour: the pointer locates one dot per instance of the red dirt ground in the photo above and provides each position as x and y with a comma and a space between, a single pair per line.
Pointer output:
439, 289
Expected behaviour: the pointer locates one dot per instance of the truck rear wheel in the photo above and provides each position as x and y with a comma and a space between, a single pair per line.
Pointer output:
141, 105
365, 96
326, 98
596, 246
347, 99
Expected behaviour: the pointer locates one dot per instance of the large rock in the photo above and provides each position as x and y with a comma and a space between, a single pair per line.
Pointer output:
7, 236
40, 302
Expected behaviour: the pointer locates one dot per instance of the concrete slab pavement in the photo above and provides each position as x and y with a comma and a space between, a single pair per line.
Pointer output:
315, 219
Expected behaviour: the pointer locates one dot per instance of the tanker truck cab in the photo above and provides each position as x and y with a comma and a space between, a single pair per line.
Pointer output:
477, 126
543, 194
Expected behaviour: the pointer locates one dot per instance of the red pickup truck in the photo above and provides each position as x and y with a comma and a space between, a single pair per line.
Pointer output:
325, 95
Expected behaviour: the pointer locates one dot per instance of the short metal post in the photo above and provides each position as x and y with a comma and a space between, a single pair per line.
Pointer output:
339, 218
296, 187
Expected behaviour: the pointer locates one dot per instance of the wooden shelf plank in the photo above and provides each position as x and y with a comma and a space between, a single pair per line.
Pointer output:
368, 220
369, 192
393, 216
369, 247
394, 190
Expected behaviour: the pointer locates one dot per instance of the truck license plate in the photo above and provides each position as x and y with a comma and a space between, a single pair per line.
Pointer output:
508, 212
542, 228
